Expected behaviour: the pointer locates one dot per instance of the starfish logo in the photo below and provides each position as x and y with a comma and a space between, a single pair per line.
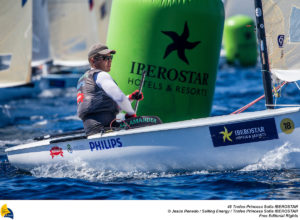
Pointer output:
226, 135
180, 43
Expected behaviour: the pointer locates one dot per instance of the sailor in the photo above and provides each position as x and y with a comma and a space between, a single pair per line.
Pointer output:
99, 99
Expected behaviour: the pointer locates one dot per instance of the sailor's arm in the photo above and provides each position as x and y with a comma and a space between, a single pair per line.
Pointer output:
105, 81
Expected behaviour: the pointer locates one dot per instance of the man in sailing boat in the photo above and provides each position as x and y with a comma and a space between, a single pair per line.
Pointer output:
99, 99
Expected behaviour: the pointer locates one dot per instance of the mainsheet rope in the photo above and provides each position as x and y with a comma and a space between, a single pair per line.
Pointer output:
275, 90
119, 120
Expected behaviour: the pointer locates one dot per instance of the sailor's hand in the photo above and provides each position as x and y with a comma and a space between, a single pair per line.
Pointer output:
136, 96
130, 116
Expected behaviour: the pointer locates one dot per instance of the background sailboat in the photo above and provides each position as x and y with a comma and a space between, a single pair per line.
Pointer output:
102, 8
73, 29
40, 35
74, 26
15, 49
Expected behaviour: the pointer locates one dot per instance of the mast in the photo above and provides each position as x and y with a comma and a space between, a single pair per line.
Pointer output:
261, 35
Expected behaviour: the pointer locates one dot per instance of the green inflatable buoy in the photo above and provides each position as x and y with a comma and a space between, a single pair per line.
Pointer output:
240, 40
178, 44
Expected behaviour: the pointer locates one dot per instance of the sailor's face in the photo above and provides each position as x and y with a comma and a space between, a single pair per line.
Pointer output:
103, 62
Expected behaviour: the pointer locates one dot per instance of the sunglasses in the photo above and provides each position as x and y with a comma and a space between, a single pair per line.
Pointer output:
105, 58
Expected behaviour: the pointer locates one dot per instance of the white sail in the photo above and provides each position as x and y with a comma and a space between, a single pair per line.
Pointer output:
102, 8
15, 42
239, 7
282, 27
40, 35
73, 30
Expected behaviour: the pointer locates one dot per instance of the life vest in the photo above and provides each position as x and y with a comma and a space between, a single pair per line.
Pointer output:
91, 98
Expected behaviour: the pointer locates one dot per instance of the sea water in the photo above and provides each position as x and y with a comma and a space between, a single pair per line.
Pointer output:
54, 110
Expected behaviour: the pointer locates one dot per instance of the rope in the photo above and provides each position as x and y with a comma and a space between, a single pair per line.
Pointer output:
283, 105
297, 85
110, 126
256, 100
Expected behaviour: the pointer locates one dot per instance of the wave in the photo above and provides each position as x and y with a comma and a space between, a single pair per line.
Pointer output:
56, 92
5, 116
11, 142
80, 170
284, 157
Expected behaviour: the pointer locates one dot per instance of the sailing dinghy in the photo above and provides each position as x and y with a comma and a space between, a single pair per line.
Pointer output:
215, 143
40, 34
15, 50
74, 28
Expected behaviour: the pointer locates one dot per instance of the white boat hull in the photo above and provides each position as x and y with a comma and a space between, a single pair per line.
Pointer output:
187, 145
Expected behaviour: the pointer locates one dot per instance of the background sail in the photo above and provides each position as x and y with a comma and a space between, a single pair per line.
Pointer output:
73, 30
15, 42
40, 35
102, 8
282, 27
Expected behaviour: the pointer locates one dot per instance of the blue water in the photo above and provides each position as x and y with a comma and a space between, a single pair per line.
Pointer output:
54, 111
